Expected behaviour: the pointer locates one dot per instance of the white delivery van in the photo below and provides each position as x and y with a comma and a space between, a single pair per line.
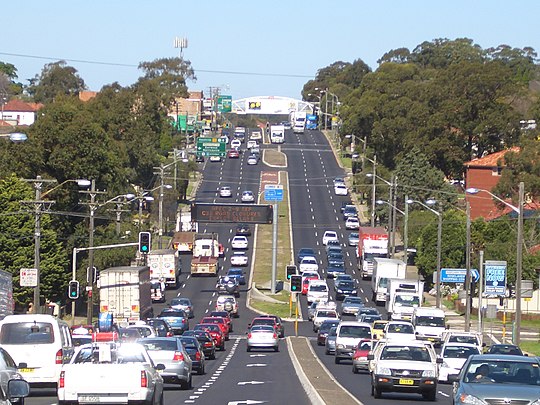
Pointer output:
39, 345
349, 334
429, 324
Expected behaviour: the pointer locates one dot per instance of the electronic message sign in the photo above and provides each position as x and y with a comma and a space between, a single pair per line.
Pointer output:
252, 213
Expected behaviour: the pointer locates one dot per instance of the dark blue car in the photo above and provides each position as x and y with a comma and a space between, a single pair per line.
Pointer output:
237, 274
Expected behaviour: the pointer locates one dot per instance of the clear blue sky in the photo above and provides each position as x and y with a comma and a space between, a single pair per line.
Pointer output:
293, 37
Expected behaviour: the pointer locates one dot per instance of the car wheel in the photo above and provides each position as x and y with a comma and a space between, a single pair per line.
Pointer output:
377, 392
212, 356
326, 351
248, 349
276, 348
202, 371
337, 360
354, 370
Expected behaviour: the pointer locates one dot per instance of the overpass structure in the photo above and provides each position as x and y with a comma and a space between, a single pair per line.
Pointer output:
271, 105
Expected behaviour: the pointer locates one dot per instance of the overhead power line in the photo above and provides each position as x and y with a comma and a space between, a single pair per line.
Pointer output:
94, 62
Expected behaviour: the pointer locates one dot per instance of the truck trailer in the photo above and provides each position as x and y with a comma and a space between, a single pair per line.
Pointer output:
383, 270
125, 293
372, 243
164, 265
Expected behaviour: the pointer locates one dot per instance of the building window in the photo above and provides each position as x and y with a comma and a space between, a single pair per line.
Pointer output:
496, 171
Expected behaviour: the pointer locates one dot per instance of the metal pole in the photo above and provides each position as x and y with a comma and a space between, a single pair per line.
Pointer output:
394, 216
140, 199
90, 272
373, 190
364, 154
326, 110
439, 247
160, 234
73, 277
406, 231
468, 293
118, 217
274, 247
390, 229
37, 242
480, 289
519, 263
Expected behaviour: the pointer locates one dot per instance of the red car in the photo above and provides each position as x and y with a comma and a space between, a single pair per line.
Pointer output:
233, 154
215, 331
359, 357
264, 321
218, 321
225, 315
305, 283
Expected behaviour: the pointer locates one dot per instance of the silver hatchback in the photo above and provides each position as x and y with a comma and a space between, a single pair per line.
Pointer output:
171, 352
262, 336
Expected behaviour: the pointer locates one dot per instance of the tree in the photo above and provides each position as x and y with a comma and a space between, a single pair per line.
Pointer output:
56, 78
17, 241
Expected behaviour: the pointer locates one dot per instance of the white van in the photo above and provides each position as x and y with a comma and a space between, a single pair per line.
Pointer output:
349, 334
39, 345
429, 324
317, 291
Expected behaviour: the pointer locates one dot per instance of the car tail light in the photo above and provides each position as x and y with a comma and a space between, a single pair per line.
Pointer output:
249, 335
209, 343
275, 335
170, 334
178, 356
144, 379
59, 357
198, 356
61, 382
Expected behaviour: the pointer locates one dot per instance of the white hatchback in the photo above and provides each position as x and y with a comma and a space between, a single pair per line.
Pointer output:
236, 143
239, 259
340, 189
225, 191
239, 242
308, 263
352, 223
248, 196
328, 236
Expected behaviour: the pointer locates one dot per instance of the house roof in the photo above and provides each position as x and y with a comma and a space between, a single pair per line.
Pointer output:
16, 105
491, 160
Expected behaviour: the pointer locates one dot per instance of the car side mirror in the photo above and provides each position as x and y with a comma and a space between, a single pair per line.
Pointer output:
439, 360
453, 378
22, 365
370, 357
446, 326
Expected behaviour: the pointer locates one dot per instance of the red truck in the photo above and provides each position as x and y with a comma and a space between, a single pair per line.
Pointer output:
372, 243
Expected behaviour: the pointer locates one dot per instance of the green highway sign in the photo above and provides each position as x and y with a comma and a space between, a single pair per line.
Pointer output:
211, 146
224, 104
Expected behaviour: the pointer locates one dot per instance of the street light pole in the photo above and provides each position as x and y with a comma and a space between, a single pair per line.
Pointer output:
373, 191
468, 293
406, 231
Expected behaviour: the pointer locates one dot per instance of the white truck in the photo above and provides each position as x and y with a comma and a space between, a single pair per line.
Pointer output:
299, 123
383, 270
277, 134
184, 222
164, 265
125, 293
205, 255
107, 373
429, 324
372, 243
404, 295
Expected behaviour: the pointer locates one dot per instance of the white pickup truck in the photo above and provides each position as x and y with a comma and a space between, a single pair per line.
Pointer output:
111, 373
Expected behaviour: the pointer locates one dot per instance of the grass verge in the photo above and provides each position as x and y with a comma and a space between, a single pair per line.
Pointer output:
530, 347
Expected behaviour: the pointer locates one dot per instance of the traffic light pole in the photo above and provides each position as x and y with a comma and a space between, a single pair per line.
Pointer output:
74, 266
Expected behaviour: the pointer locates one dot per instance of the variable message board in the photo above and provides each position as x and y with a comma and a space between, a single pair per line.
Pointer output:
495, 278
252, 213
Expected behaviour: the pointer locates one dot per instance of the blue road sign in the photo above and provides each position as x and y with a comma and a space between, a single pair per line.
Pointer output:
458, 275
273, 192
495, 277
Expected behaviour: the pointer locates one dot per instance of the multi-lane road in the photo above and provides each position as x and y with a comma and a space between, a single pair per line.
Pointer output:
239, 377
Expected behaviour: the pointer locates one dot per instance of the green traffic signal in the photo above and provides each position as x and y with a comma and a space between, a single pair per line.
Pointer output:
296, 283
144, 242
73, 290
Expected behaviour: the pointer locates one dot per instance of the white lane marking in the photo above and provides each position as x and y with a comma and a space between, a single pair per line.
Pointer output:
250, 382
256, 365
444, 394
257, 355
210, 302
206, 311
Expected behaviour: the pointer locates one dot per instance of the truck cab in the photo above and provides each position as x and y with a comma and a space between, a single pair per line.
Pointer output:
429, 324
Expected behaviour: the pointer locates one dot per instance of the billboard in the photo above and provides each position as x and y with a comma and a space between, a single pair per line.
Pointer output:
495, 278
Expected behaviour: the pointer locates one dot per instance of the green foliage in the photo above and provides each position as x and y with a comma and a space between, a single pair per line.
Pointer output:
56, 79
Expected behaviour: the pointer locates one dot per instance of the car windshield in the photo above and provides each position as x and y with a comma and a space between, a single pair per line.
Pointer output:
501, 371
400, 328
346, 284
235, 272
352, 331
318, 288
459, 352
504, 349
326, 314
326, 326
379, 326
473, 340
27, 333
180, 301
407, 301
405, 353
159, 344
430, 321
262, 329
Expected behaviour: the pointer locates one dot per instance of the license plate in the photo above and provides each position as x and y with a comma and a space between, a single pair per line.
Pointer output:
26, 370
88, 399
403, 381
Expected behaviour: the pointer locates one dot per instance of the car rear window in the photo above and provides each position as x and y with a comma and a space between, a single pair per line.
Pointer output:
27, 333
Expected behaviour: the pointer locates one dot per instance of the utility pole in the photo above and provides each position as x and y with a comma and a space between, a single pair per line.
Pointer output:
394, 214
406, 231
468, 293
519, 264
373, 190
38, 208
118, 211
160, 171
90, 272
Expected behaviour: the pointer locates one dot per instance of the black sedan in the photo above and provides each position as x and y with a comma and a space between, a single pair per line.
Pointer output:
207, 343
195, 351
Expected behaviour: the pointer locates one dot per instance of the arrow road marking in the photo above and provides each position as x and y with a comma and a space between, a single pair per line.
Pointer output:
250, 382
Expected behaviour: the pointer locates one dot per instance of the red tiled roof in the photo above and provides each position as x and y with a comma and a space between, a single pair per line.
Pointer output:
492, 160
21, 106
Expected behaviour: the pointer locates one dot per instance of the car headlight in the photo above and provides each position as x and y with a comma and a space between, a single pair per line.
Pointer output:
470, 400
340, 346
339, 291
354, 292
383, 371
428, 373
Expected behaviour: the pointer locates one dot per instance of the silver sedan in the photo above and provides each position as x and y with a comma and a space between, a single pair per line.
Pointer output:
262, 336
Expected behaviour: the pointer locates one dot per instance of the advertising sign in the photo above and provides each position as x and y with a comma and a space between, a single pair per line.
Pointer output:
495, 276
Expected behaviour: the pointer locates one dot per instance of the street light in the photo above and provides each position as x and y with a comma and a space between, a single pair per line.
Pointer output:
405, 225
519, 252
439, 243
392, 214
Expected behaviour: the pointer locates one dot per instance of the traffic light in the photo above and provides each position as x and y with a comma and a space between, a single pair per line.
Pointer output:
73, 290
291, 270
144, 242
296, 284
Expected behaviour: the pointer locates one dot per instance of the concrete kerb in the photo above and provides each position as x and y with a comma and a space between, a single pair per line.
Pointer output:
310, 390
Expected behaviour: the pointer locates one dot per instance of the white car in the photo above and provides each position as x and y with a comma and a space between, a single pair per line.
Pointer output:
340, 189
255, 136
454, 355
317, 291
308, 263
225, 192
252, 144
328, 236
252, 160
248, 197
322, 315
236, 143
352, 223
399, 330
239, 242
239, 259
215, 158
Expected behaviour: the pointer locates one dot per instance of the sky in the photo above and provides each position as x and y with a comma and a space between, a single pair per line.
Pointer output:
246, 48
